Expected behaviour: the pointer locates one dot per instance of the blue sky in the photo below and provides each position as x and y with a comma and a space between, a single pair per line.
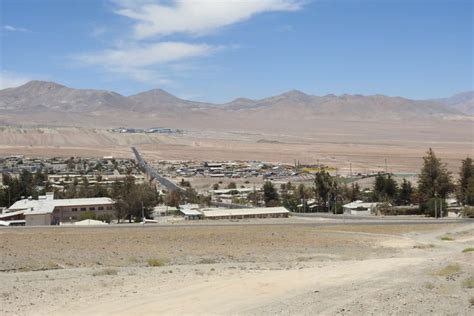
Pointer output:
210, 51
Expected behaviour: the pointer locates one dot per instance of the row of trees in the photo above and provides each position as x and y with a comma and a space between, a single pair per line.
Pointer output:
23, 186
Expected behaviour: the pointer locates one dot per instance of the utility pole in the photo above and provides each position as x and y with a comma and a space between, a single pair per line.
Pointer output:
143, 214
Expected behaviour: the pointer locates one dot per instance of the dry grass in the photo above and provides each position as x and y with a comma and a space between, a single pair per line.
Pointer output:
448, 270
429, 285
108, 271
207, 261
469, 282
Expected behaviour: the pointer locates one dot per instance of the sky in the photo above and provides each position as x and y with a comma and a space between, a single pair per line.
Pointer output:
215, 51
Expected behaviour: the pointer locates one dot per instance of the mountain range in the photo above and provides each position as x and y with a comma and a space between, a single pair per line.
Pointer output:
46, 103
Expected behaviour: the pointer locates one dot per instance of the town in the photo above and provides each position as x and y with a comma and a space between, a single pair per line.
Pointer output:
75, 190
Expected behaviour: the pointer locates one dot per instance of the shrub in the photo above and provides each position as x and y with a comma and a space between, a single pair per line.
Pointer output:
468, 250
156, 262
87, 215
433, 204
423, 246
107, 218
447, 238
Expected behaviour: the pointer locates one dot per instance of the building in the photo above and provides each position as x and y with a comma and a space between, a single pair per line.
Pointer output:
49, 211
190, 211
242, 213
360, 208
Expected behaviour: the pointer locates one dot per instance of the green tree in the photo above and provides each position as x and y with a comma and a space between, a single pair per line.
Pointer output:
405, 194
131, 198
270, 194
173, 198
323, 185
353, 193
465, 190
385, 188
254, 198
434, 179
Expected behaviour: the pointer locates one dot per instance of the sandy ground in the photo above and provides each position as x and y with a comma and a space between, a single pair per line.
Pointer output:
238, 269
365, 145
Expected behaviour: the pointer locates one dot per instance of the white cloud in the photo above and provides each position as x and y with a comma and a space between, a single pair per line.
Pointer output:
98, 31
142, 59
194, 17
14, 29
139, 62
10, 79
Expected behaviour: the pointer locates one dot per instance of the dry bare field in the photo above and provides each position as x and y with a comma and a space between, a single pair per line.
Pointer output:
238, 269
336, 143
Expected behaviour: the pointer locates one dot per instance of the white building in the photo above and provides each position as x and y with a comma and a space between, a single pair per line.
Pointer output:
48, 211
241, 213
360, 208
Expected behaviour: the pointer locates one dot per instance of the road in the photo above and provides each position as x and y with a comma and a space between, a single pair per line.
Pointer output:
153, 174
297, 221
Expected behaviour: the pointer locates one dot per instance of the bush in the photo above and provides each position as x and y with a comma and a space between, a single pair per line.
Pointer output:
447, 238
156, 262
87, 215
468, 250
435, 203
107, 218
402, 210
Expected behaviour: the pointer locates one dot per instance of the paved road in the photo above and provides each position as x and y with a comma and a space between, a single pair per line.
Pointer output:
316, 222
153, 174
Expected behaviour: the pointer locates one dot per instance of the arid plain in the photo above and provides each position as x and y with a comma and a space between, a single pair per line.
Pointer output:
364, 144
